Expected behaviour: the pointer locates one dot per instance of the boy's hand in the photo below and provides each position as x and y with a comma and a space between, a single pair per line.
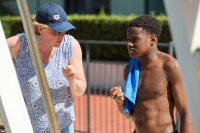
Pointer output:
117, 94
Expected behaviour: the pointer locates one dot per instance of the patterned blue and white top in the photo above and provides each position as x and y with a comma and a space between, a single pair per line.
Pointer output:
58, 85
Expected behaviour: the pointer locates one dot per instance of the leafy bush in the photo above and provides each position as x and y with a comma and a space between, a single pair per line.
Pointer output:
95, 27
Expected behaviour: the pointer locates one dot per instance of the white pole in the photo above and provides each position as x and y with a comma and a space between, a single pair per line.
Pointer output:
12, 106
182, 40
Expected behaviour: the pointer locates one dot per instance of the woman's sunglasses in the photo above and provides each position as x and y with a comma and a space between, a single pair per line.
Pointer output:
55, 33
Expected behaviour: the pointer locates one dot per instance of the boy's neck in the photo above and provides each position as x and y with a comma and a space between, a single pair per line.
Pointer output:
148, 59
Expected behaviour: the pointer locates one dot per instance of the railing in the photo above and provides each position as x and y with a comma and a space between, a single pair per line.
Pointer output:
96, 112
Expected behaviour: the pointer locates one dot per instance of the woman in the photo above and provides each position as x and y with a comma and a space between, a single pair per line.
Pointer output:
62, 59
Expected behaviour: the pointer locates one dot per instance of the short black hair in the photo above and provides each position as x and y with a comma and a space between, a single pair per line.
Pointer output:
148, 23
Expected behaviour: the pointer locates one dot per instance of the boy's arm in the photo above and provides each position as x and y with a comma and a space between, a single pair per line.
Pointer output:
127, 116
117, 94
176, 84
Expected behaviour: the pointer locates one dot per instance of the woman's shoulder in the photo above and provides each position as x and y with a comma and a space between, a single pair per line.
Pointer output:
70, 39
69, 36
14, 44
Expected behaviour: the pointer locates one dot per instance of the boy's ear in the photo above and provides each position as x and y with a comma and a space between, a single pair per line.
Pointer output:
153, 39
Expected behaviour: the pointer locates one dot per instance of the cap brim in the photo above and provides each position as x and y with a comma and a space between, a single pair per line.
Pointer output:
62, 27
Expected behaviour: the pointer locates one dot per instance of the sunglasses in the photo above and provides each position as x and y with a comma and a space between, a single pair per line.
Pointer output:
55, 33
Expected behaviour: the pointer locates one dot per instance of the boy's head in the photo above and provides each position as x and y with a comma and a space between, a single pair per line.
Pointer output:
147, 23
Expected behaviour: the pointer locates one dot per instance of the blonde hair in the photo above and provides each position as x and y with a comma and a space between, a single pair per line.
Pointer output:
36, 24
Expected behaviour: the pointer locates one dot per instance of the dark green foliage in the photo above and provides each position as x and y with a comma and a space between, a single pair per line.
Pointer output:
4, 11
95, 27
99, 27
12, 25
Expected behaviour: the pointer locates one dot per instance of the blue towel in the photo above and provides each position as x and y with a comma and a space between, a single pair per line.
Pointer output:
131, 84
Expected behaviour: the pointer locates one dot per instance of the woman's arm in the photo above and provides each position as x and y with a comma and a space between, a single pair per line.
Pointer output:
14, 46
74, 72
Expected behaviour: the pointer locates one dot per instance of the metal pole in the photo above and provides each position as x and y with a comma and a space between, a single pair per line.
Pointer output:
146, 7
170, 48
88, 82
38, 66
37, 4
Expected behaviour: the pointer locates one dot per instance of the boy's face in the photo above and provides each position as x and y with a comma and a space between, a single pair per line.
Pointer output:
139, 42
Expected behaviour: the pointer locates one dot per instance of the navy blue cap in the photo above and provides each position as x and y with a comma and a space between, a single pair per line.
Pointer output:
54, 16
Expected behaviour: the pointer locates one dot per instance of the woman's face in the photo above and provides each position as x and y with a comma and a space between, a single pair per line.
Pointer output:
51, 37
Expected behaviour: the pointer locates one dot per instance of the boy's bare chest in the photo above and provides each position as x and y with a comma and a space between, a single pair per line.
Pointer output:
152, 83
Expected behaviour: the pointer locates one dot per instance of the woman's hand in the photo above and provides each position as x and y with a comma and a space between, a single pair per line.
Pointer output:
69, 71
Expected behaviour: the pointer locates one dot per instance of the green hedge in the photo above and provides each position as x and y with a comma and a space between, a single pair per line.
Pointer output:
95, 27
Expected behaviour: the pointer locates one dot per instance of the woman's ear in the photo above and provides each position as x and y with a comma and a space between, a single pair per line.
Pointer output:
153, 39
39, 29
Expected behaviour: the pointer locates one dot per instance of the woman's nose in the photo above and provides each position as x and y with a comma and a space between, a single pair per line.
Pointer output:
62, 34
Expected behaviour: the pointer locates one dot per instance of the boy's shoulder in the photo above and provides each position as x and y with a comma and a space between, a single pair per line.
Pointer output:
169, 62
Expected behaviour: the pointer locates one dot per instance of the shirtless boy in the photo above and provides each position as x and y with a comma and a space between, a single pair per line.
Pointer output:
160, 86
